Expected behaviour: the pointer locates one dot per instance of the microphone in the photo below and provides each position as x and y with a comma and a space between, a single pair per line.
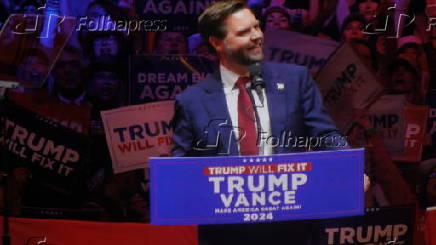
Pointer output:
256, 79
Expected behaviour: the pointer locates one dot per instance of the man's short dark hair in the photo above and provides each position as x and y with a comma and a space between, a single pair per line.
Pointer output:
211, 21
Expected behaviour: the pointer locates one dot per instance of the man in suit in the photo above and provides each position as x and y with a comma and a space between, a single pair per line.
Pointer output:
223, 115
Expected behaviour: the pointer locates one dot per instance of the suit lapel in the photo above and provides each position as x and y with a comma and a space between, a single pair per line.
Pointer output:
275, 92
216, 106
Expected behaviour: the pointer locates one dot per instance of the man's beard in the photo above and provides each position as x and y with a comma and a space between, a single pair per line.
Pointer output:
242, 58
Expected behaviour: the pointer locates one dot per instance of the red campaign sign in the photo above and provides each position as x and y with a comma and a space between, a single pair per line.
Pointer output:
415, 129
69, 232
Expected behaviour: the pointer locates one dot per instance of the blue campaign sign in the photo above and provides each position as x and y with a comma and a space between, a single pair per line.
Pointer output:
220, 190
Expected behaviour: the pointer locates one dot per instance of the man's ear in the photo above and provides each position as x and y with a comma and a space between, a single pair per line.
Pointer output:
216, 43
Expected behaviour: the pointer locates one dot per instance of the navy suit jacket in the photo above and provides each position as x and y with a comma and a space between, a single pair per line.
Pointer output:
202, 124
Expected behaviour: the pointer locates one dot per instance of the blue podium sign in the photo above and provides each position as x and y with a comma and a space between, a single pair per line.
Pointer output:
219, 190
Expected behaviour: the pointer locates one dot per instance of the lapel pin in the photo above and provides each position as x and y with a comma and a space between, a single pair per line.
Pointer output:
280, 86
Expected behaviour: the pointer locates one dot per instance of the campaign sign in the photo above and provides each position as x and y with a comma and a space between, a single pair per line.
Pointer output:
386, 115
135, 133
173, 15
243, 189
156, 78
296, 48
387, 225
55, 155
347, 84
416, 118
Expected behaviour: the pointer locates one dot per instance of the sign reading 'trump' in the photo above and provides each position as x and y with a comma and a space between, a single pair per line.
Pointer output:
257, 188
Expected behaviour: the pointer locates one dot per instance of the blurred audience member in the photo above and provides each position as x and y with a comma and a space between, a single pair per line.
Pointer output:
276, 17
367, 8
411, 48
353, 28
107, 47
198, 47
405, 80
68, 76
168, 43
105, 86
98, 13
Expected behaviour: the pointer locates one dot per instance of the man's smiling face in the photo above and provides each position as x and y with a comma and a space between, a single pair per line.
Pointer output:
243, 41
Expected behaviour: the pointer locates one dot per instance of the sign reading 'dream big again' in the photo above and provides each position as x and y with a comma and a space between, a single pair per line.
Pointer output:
218, 190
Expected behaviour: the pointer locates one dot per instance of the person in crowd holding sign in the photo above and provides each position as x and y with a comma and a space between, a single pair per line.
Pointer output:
220, 116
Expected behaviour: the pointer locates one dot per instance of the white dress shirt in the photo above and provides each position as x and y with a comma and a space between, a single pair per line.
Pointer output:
231, 92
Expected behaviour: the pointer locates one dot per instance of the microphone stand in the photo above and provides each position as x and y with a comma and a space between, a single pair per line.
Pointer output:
4, 171
256, 114
257, 84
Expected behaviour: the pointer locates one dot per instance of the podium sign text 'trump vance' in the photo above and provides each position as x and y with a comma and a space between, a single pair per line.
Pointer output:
219, 190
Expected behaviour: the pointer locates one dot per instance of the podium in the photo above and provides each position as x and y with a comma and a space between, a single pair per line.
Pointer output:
257, 189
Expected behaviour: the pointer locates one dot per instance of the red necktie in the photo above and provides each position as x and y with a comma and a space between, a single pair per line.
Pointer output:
246, 120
